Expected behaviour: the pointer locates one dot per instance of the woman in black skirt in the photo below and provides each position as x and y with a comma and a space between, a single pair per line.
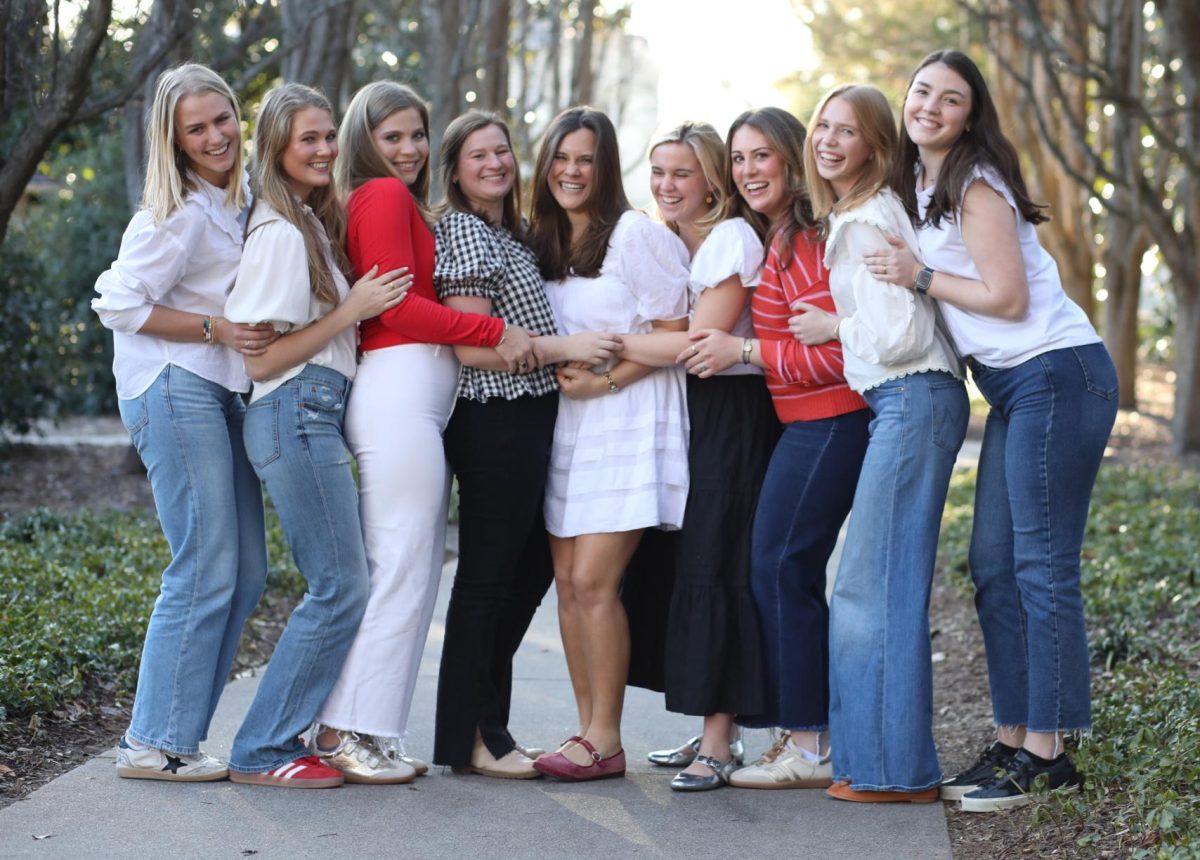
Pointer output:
713, 659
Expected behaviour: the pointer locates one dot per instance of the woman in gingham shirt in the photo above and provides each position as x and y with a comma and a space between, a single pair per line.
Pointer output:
498, 444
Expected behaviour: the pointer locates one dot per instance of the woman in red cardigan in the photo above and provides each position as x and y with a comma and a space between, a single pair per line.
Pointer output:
810, 480
403, 395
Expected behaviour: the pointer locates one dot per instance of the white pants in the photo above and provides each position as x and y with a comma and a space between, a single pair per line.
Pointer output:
399, 405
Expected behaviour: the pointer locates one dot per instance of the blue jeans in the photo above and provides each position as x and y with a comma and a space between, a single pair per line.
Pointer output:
1042, 448
804, 500
188, 432
294, 439
881, 677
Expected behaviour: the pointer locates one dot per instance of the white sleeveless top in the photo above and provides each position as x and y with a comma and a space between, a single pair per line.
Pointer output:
1053, 320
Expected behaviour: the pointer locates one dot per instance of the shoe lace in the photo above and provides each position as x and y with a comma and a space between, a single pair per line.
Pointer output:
775, 751
391, 749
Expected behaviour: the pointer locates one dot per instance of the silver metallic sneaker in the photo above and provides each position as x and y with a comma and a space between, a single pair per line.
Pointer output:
359, 762
393, 750
152, 763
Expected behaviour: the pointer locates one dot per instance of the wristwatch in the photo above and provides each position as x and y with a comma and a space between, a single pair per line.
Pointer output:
924, 279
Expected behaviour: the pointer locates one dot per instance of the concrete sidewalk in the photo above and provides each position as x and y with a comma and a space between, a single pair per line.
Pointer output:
89, 813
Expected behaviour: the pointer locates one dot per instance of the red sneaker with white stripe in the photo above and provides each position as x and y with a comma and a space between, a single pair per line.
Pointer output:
306, 772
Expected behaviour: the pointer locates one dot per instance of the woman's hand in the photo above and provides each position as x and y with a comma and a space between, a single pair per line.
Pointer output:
712, 351
516, 348
812, 325
580, 384
373, 294
896, 265
592, 348
249, 340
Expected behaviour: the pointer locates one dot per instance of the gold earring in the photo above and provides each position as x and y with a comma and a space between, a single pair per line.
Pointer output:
708, 198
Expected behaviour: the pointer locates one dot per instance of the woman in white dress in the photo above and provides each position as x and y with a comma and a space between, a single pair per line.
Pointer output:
619, 457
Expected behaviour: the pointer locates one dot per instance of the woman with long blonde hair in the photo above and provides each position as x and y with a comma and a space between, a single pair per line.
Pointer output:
881, 680
180, 380
292, 277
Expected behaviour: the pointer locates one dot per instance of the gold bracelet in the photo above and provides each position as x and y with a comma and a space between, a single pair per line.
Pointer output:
747, 348
613, 388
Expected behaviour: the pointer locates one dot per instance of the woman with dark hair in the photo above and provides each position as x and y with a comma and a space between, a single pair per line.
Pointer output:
881, 677
292, 276
810, 479
498, 444
402, 399
618, 462
1052, 391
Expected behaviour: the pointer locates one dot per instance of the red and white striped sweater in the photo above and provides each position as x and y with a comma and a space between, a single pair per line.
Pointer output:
806, 382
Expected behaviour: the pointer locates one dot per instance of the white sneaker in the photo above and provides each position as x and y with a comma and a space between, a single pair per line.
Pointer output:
393, 750
359, 762
783, 766
153, 763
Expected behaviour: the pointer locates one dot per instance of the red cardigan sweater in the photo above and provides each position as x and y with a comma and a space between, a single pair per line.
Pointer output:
806, 382
385, 228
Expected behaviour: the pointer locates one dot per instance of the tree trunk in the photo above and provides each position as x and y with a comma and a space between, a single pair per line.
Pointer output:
1124, 246
64, 97
316, 46
495, 66
1186, 421
581, 71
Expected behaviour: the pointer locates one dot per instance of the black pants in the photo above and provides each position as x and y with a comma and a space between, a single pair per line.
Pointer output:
499, 450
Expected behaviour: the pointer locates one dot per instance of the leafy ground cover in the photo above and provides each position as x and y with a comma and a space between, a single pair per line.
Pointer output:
1142, 759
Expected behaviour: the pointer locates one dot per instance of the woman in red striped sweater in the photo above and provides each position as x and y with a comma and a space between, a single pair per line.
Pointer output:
810, 481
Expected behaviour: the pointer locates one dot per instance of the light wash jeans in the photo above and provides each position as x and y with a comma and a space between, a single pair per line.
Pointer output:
188, 432
1045, 438
294, 439
881, 677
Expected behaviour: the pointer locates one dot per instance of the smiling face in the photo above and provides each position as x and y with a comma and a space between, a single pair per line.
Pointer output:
207, 133
486, 170
937, 108
307, 162
677, 183
840, 151
758, 172
403, 142
571, 172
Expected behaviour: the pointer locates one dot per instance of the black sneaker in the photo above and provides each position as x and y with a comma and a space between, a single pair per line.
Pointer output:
1012, 788
994, 758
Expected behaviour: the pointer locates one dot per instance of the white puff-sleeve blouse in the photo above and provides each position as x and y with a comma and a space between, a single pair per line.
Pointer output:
731, 249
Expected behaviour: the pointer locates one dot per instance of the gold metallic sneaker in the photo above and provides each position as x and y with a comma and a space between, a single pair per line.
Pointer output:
393, 750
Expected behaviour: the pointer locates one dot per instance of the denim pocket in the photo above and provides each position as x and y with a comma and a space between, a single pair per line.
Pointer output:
261, 433
320, 396
1099, 374
948, 413
134, 415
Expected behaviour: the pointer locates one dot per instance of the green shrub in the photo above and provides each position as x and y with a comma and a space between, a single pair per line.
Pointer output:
76, 592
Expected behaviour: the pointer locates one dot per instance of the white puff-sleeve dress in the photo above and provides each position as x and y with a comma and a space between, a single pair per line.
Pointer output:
619, 461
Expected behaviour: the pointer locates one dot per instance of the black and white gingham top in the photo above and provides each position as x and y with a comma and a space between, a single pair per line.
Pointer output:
476, 259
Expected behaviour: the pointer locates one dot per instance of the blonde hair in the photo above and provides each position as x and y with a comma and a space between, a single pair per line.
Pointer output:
272, 135
361, 161
876, 127
167, 182
706, 144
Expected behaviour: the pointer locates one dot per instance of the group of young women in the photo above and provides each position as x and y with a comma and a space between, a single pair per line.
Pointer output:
784, 347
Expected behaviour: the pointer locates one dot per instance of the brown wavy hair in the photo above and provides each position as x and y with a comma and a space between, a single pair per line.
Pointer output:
453, 141
549, 228
785, 135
